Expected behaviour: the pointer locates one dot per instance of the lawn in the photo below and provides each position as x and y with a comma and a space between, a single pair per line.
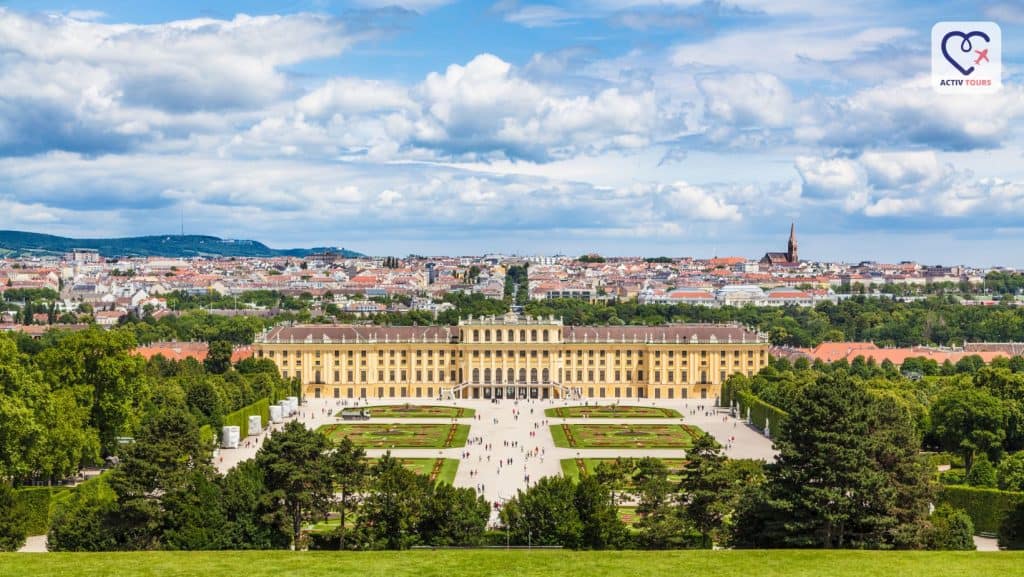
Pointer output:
408, 411
399, 436
574, 468
521, 563
440, 470
612, 412
624, 436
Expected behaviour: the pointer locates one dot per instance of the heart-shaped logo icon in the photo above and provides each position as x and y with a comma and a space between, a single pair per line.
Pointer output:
965, 47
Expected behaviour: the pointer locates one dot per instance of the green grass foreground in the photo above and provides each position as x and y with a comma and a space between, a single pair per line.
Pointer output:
517, 563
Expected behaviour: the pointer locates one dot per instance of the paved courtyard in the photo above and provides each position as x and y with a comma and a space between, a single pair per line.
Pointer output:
514, 452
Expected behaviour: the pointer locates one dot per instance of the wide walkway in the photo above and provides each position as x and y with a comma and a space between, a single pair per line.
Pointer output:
515, 456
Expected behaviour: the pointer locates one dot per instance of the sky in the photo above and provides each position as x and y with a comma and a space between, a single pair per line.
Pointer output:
629, 127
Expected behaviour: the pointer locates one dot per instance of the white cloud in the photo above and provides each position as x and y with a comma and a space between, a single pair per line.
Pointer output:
81, 85
910, 112
895, 169
415, 5
698, 203
747, 100
908, 184
538, 16
791, 52
354, 95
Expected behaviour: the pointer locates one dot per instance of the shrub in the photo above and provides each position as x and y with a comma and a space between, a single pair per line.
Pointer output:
951, 530
952, 477
12, 519
1011, 472
982, 473
987, 507
1011, 532
35, 507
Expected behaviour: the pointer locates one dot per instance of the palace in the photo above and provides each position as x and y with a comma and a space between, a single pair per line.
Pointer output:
512, 357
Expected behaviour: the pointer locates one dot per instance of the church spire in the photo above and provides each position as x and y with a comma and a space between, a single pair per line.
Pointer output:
791, 254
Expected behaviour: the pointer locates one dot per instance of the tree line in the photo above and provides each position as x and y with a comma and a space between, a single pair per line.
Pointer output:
166, 495
72, 398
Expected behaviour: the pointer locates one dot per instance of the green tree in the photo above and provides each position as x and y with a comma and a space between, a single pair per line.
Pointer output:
602, 527
247, 509
155, 469
19, 432
80, 521
982, 474
218, 357
454, 517
951, 530
395, 506
705, 488
613, 475
1011, 472
544, 514
821, 486
297, 475
12, 520
968, 420
660, 526
348, 465
1011, 531
99, 368
897, 513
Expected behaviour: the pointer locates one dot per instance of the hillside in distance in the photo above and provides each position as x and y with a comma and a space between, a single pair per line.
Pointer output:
19, 243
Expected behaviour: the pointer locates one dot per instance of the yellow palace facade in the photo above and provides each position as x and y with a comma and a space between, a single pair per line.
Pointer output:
512, 357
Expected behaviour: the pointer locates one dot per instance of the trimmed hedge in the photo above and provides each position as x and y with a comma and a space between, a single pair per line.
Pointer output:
36, 504
240, 418
206, 435
760, 411
986, 507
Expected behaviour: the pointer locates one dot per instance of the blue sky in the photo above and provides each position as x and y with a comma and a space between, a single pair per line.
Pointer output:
636, 127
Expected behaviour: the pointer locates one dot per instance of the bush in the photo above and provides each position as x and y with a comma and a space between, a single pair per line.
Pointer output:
12, 519
206, 436
1011, 532
952, 477
944, 458
1011, 472
982, 473
951, 530
79, 518
34, 503
987, 507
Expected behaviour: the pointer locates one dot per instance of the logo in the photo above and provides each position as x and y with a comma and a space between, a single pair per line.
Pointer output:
967, 57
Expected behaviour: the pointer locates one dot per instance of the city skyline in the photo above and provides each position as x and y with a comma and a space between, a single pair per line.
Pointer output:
434, 127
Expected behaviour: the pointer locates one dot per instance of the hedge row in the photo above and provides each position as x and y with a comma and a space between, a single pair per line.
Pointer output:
206, 435
240, 418
35, 502
986, 507
760, 412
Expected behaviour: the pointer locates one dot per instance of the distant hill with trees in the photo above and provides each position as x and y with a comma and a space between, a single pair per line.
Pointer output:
19, 243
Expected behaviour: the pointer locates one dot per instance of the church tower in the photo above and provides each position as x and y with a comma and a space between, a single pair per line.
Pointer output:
791, 254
